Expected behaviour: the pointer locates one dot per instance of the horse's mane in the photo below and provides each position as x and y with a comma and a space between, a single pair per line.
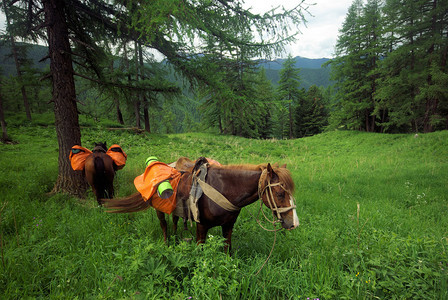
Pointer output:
283, 173
100, 147
248, 167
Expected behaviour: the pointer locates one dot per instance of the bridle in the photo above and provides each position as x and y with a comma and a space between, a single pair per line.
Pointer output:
270, 199
273, 206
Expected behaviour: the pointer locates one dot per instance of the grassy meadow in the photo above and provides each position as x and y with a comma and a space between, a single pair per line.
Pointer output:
373, 212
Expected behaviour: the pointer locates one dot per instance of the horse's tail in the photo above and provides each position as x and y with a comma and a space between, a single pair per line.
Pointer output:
100, 179
132, 203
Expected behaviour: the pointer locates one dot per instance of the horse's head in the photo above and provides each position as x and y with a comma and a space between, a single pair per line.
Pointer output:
276, 190
100, 147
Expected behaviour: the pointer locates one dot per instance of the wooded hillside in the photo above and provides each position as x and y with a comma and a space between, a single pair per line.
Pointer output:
311, 70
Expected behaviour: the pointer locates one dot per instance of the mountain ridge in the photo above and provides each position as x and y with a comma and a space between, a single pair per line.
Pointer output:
311, 70
301, 63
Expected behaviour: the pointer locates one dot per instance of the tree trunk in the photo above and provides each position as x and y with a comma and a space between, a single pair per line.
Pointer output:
290, 120
146, 116
138, 95
64, 98
137, 114
145, 101
116, 101
119, 114
16, 61
431, 104
2, 120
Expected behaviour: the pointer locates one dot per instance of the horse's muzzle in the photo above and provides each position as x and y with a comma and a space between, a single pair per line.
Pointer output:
290, 221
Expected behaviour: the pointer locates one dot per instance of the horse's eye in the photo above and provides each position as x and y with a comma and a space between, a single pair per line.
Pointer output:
280, 194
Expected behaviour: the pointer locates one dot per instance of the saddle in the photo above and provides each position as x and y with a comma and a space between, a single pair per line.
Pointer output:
147, 183
79, 154
188, 208
158, 172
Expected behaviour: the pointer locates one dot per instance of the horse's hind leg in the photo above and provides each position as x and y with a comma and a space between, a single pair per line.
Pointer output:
109, 181
163, 224
175, 220
97, 195
110, 190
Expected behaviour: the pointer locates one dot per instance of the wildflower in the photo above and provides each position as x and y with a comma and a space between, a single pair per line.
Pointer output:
357, 274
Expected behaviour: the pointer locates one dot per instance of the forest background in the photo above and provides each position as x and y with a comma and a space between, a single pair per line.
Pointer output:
389, 75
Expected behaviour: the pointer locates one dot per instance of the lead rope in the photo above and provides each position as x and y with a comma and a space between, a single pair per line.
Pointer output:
270, 253
270, 200
274, 222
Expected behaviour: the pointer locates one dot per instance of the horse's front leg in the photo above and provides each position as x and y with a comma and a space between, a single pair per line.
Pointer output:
227, 230
163, 224
175, 220
201, 233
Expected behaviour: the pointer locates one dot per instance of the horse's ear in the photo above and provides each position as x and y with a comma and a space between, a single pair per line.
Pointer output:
269, 168
283, 166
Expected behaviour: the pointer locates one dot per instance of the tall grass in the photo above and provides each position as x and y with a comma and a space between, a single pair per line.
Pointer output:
373, 213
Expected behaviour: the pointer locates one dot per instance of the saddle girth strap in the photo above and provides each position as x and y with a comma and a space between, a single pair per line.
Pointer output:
217, 197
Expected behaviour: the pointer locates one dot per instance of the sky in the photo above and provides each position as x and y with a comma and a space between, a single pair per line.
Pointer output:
317, 38
324, 19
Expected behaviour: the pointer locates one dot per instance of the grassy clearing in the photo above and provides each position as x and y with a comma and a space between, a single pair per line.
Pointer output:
373, 212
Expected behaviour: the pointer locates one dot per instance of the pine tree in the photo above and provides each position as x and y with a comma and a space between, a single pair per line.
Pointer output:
238, 105
371, 54
2, 118
311, 113
265, 95
412, 88
288, 89
358, 51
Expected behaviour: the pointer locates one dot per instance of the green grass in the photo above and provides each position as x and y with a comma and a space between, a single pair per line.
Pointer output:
394, 246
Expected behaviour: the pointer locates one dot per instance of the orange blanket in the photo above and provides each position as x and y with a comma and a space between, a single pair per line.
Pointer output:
118, 156
147, 183
79, 154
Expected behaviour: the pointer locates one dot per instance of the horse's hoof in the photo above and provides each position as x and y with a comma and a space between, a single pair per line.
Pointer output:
187, 239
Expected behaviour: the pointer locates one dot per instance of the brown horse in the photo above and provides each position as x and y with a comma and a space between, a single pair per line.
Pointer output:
100, 172
241, 185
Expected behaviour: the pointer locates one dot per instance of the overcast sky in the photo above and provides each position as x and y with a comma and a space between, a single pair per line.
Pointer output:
318, 37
